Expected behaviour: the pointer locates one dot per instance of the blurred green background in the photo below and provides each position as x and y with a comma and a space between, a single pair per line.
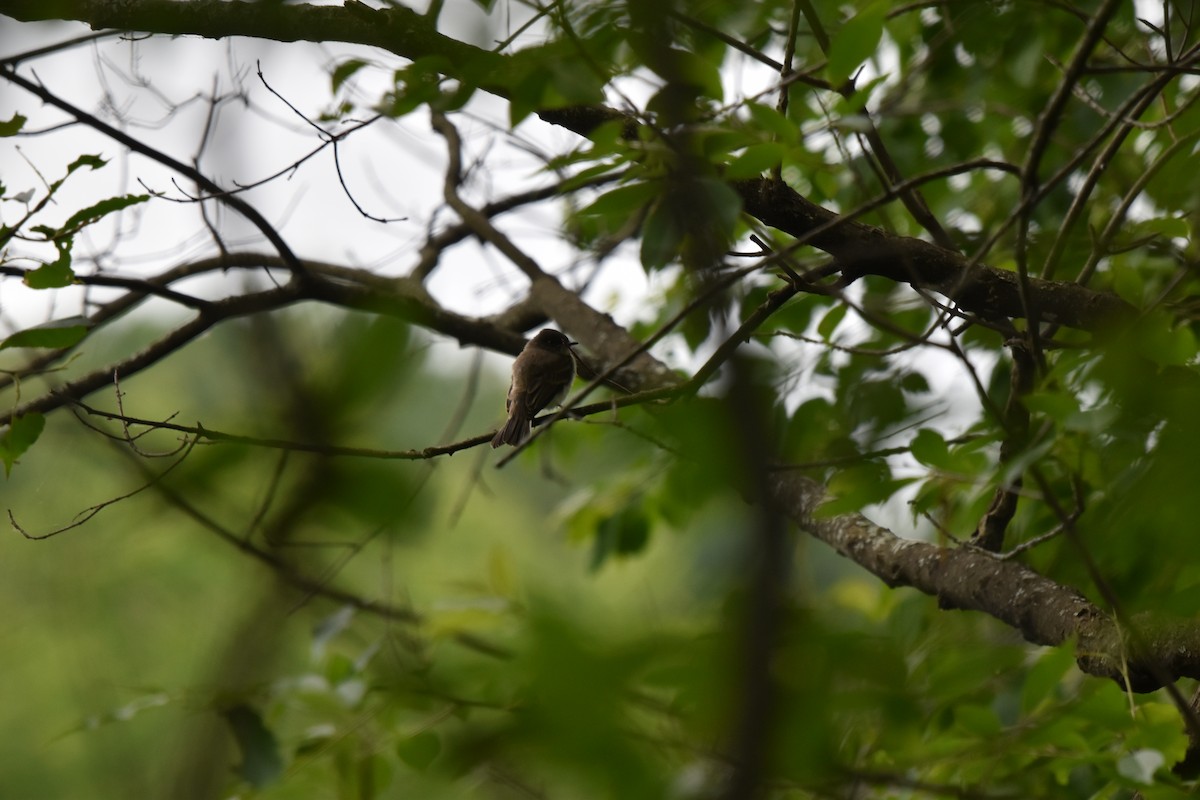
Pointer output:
129, 636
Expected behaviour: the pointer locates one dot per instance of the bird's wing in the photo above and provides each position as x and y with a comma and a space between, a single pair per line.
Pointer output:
541, 392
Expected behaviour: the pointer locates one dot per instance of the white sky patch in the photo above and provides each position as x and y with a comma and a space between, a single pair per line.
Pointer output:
964, 221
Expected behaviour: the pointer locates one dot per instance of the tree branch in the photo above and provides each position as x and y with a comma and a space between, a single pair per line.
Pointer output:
968, 578
862, 249
232, 200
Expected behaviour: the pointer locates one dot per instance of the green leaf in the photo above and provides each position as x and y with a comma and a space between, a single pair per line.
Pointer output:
1044, 677
930, 449
695, 216
830, 321
621, 534
722, 204
22, 432
1163, 342
1129, 283
93, 213
661, 236
1024, 64
55, 335
623, 201
697, 71
977, 719
768, 119
573, 86
419, 751
684, 72
417, 84
343, 71
57, 273
540, 77
13, 126
859, 486
1057, 405
1170, 227
914, 383
1158, 729
755, 160
93, 161
856, 42
261, 762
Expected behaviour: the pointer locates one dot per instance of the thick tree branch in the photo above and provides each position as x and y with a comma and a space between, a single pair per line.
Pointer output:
396, 29
862, 249
967, 578
402, 298
607, 340
866, 250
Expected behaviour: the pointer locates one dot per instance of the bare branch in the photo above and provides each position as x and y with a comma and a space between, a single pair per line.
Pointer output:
84, 516
137, 146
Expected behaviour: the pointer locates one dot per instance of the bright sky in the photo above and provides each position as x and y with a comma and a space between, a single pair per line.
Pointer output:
393, 168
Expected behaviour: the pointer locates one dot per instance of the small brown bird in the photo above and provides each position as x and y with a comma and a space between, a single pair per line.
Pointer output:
541, 376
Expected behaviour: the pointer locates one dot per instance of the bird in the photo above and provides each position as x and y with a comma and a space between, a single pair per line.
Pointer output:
541, 376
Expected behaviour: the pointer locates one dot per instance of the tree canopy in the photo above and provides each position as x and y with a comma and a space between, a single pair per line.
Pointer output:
876, 481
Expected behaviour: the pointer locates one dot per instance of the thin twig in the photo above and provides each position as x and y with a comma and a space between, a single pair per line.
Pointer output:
137, 146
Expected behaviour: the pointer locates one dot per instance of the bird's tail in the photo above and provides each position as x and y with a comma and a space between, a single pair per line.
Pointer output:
514, 431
